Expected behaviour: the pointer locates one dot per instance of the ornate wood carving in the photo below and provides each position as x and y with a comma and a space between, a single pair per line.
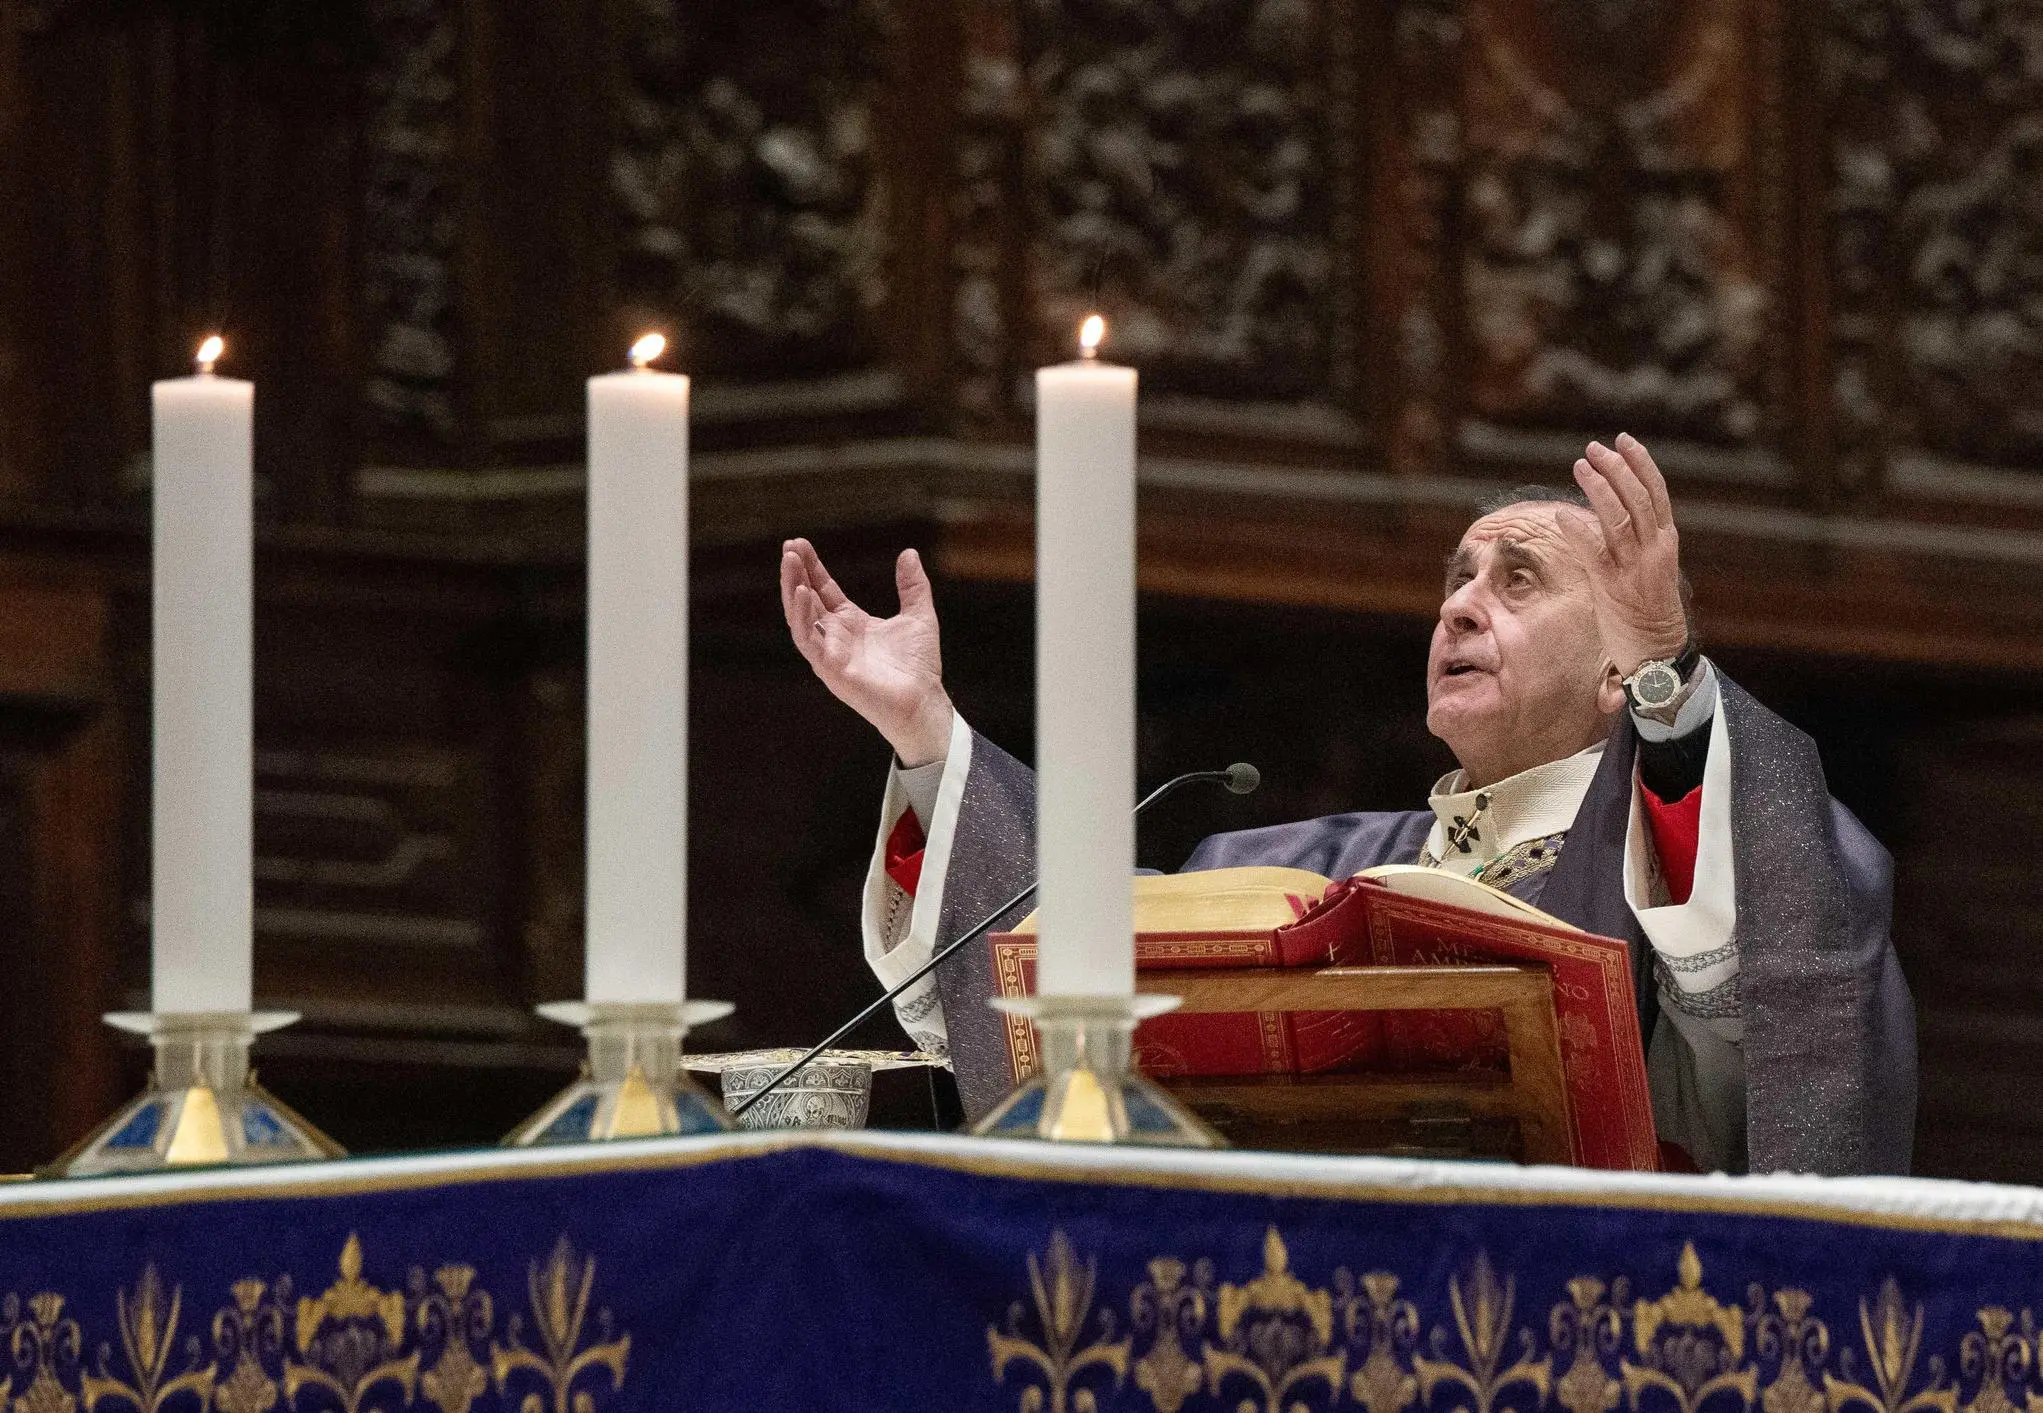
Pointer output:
1182, 160
410, 232
1425, 163
1937, 236
986, 177
1619, 264
746, 178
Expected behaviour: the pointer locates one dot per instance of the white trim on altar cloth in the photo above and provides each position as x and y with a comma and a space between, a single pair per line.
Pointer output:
1912, 1203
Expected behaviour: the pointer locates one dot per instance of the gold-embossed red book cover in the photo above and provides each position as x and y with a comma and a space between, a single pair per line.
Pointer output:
1286, 917
1595, 1010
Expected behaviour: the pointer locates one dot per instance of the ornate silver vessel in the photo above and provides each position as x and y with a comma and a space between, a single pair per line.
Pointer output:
831, 1091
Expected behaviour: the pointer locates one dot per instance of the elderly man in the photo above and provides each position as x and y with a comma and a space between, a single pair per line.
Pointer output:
1609, 773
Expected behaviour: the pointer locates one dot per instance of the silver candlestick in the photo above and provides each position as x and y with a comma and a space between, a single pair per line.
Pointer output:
1088, 1090
202, 1107
633, 1084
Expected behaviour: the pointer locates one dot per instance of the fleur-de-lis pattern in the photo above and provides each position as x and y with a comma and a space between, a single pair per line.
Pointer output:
1062, 1371
1279, 1342
562, 1375
355, 1347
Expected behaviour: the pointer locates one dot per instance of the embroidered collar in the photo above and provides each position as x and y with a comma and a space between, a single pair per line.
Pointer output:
1472, 828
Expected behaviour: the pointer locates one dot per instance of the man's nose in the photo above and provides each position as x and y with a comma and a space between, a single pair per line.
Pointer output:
1462, 611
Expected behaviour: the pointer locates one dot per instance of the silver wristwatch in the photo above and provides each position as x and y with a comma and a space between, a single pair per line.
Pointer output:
1660, 685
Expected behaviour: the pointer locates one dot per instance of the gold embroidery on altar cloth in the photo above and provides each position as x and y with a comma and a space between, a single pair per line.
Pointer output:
1277, 1342
1062, 1291
560, 1309
1276, 1334
355, 1347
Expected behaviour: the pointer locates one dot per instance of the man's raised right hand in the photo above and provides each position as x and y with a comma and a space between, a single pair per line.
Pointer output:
888, 670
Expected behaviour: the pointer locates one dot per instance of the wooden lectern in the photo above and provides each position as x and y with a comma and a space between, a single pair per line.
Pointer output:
1362, 1017
1522, 1115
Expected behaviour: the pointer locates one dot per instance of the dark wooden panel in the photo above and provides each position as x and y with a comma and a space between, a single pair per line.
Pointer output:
83, 336
527, 220
61, 772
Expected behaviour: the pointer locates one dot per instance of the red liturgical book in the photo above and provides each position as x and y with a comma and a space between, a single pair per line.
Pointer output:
1392, 916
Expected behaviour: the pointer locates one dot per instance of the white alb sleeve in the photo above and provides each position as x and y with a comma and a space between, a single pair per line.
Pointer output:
1696, 1066
1696, 955
899, 930
920, 784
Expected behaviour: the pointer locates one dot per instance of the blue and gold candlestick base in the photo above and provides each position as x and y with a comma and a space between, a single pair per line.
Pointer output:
1088, 1090
633, 1084
203, 1107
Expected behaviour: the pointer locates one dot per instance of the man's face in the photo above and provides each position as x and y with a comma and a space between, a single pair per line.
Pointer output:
1517, 675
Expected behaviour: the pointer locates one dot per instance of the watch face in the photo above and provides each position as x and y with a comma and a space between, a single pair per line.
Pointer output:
1655, 685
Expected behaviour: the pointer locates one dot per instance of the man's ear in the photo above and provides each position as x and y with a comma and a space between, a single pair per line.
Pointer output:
1610, 697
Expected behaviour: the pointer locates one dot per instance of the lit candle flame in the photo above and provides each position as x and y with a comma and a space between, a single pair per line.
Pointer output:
209, 352
648, 348
1090, 333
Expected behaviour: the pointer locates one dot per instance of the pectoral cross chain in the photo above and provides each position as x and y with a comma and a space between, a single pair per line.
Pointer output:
1463, 832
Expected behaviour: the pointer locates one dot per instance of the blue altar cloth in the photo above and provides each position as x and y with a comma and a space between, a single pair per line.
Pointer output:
874, 1271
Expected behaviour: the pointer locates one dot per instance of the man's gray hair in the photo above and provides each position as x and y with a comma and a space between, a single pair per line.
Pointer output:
1533, 493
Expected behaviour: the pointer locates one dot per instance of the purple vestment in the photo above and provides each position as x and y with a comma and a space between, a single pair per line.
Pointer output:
1829, 1027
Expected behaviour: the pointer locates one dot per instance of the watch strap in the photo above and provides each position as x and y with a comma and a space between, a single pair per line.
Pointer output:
1684, 662
1688, 659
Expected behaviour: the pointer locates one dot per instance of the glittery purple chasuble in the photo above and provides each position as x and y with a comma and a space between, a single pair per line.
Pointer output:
1829, 1026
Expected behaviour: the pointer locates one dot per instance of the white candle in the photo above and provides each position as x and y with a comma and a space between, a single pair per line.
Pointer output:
1085, 674
201, 806
638, 683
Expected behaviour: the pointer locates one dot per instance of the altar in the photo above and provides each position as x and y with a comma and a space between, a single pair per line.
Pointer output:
885, 1271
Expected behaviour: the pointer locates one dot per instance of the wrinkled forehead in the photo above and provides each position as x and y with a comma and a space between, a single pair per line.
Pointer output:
1531, 523
1529, 529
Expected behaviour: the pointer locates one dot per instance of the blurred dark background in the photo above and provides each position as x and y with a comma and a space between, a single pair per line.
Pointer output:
1373, 257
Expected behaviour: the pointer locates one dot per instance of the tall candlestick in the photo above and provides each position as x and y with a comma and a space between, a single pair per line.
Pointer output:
201, 906
1085, 673
638, 683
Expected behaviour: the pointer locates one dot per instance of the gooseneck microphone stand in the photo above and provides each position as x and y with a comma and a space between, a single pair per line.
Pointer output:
1240, 778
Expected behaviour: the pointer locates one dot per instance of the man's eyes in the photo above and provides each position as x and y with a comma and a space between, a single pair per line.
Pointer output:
1514, 579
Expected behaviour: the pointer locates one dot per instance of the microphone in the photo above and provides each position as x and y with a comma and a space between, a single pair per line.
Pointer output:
1240, 778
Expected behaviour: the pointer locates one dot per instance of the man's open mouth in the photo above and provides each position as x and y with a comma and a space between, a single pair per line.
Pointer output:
1461, 669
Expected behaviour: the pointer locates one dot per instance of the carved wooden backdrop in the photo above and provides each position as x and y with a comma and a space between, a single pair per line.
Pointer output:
1372, 257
